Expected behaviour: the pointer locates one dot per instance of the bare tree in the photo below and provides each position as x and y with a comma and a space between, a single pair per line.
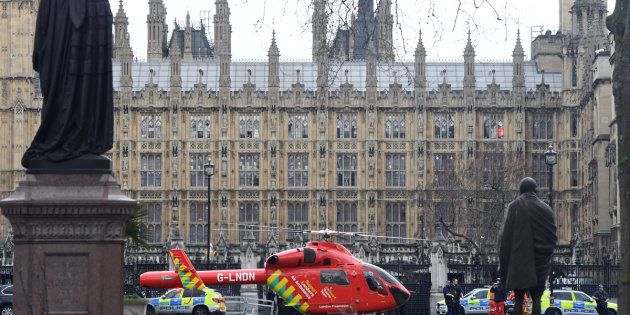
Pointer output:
471, 206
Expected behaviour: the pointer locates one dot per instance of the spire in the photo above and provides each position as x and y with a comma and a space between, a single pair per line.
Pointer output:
274, 62
222, 28
518, 61
273, 49
420, 66
371, 79
469, 50
121, 11
386, 30
187, 19
121, 35
157, 30
420, 51
518, 48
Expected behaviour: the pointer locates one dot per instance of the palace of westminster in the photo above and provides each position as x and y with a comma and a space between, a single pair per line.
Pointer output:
352, 140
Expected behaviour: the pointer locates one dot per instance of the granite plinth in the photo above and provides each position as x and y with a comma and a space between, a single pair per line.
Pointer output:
69, 243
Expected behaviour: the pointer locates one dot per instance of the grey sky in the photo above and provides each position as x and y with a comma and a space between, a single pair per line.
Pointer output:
253, 21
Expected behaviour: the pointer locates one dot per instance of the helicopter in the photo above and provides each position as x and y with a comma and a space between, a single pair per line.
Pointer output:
321, 278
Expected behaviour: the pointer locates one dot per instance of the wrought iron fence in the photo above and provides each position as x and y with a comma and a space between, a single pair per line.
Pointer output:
584, 278
417, 279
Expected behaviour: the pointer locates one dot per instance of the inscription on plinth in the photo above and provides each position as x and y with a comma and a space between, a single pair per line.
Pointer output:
66, 284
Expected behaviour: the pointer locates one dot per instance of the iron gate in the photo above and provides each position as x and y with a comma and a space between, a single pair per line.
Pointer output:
417, 279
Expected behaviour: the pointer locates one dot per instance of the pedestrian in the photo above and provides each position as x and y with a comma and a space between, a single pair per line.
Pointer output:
526, 244
457, 292
499, 297
448, 297
601, 298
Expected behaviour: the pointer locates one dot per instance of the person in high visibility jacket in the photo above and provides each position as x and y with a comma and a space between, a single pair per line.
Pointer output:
499, 297
525, 299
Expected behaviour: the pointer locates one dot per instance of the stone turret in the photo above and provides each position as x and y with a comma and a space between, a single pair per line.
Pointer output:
223, 42
469, 67
157, 30
188, 55
518, 64
420, 66
386, 30
121, 24
320, 28
274, 63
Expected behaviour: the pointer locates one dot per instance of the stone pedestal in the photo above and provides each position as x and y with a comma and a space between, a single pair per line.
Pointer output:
69, 246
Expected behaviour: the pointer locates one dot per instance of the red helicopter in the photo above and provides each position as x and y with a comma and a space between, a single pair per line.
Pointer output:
321, 278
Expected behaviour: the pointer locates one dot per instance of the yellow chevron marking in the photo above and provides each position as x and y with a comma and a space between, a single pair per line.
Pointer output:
295, 300
288, 292
280, 284
304, 307
273, 277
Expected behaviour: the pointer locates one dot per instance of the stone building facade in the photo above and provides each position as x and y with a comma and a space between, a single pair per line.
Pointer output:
351, 140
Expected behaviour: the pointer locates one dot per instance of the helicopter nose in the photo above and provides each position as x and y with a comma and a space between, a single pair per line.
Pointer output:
401, 296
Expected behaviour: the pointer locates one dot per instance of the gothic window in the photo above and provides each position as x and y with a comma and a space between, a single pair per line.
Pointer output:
347, 170
347, 220
151, 127
298, 170
153, 221
542, 127
574, 124
249, 218
539, 170
395, 126
395, 222
150, 170
298, 126
249, 126
198, 225
444, 126
297, 218
573, 160
346, 126
493, 126
395, 170
249, 170
574, 74
200, 127
444, 166
493, 169
197, 176
574, 215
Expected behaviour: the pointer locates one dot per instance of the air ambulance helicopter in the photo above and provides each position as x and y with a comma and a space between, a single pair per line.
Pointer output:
321, 278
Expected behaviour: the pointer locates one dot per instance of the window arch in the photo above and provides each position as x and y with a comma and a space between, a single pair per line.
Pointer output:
200, 127
444, 126
346, 126
151, 126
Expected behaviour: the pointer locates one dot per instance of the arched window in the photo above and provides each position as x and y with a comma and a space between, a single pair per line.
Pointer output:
395, 126
395, 222
249, 126
298, 126
198, 224
444, 126
347, 126
200, 127
151, 127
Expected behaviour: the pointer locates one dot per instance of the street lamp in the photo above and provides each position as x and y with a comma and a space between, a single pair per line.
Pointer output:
551, 158
208, 170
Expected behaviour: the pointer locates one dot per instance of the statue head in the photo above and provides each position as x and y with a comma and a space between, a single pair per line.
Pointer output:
527, 185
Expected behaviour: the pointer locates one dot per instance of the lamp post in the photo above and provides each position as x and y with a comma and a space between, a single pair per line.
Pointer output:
551, 158
208, 170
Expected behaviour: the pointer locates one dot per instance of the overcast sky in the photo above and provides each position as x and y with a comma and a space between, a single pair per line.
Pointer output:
444, 36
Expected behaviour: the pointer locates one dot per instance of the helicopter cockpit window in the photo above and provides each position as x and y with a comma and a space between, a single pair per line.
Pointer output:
384, 274
337, 277
374, 283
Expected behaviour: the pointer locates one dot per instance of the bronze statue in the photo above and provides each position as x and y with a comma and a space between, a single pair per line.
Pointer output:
526, 245
73, 55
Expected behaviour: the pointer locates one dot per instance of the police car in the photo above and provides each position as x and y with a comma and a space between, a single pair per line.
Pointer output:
185, 301
476, 301
571, 302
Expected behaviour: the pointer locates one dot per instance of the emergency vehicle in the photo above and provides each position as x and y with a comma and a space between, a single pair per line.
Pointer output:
188, 301
477, 301
571, 302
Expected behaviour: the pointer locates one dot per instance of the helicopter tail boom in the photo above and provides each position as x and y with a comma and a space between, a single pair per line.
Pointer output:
170, 279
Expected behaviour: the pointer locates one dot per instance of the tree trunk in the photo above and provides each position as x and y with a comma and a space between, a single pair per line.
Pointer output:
619, 24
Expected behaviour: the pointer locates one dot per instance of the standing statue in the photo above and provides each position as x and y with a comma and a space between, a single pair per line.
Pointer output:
73, 55
526, 245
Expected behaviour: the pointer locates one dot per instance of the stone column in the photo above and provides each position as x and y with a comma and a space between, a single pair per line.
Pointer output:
69, 243
439, 267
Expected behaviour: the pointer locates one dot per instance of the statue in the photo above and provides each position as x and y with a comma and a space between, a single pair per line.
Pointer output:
73, 55
526, 245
